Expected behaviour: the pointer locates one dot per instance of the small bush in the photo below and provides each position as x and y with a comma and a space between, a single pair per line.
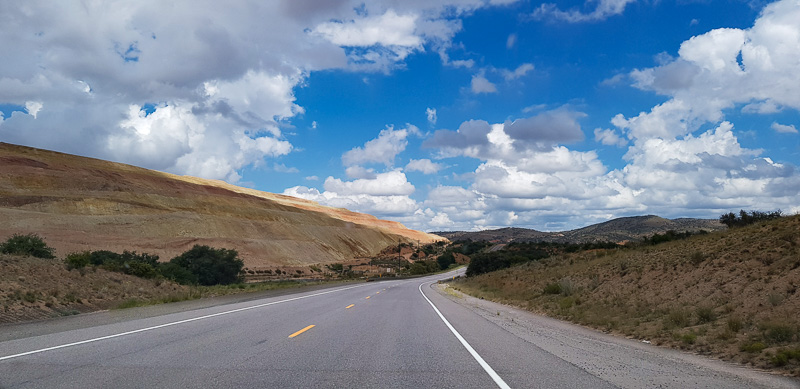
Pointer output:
677, 318
778, 332
554, 288
735, 324
697, 258
567, 287
705, 315
28, 245
689, 338
782, 357
752, 347
140, 269
78, 260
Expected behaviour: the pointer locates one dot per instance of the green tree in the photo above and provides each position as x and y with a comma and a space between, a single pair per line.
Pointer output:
211, 266
445, 260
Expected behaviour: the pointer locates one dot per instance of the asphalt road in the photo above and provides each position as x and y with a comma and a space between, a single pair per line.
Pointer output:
390, 334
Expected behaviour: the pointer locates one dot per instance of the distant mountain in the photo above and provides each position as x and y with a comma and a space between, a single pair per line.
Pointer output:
616, 230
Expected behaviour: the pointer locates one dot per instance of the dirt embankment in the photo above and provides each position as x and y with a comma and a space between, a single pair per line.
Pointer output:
734, 294
34, 288
78, 203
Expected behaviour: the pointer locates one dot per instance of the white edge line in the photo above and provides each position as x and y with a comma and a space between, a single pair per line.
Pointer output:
169, 324
497, 380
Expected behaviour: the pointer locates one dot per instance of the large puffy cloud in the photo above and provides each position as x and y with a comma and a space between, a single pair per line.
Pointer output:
479, 139
559, 188
384, 195
425, 166
382, 149
721, 69
192, 88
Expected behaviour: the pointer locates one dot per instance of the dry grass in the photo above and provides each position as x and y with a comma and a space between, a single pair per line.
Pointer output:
732, 294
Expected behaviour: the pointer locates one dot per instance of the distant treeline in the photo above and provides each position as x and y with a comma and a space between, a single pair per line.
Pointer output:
744, 218
518, 252
670, 236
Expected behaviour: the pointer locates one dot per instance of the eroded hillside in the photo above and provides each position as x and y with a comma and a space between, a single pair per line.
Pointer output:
78, 203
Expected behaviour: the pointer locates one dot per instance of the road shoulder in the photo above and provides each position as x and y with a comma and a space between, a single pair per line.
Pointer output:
627, 363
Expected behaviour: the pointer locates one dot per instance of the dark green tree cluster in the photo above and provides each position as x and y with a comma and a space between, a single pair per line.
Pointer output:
520, 252
201, 265
744, 218
129, 262
423, 267
469, 247
27, 245
205, 266
445, 260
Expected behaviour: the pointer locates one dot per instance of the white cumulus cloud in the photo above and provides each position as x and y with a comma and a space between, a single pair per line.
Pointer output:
783, 128
425, 166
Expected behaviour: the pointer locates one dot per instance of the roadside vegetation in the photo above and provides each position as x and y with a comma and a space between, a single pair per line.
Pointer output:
35, 284
731, 294
200, 265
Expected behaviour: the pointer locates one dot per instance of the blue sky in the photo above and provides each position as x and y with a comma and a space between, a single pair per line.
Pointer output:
441, 114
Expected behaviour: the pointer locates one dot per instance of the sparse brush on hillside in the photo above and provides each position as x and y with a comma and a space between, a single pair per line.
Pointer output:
733, 294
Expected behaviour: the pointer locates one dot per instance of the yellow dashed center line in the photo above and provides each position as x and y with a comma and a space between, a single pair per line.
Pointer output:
349, 306
368, 297
377, 292
301, 331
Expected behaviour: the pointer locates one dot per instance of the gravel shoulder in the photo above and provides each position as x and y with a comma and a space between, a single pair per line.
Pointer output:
626, 363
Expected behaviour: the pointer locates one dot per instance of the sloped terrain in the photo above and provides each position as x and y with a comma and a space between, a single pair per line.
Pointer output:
732, 294
617, 230
78, 203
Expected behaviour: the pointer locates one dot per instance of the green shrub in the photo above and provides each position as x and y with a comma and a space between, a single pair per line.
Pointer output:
566, 286
423, 267
782, 357
697, 258
140, 269
211, 266
177, 273
27, 245
752, 347
554, 288
78, 260
735, 324
677, 318
705, 315
778, 332
689, 338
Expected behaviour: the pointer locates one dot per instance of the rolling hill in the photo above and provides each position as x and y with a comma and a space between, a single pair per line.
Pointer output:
78, 203
615, 230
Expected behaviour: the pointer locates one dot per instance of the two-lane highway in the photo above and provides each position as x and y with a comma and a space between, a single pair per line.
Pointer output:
390, 334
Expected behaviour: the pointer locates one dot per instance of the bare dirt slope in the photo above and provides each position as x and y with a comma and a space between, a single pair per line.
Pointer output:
78, 203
